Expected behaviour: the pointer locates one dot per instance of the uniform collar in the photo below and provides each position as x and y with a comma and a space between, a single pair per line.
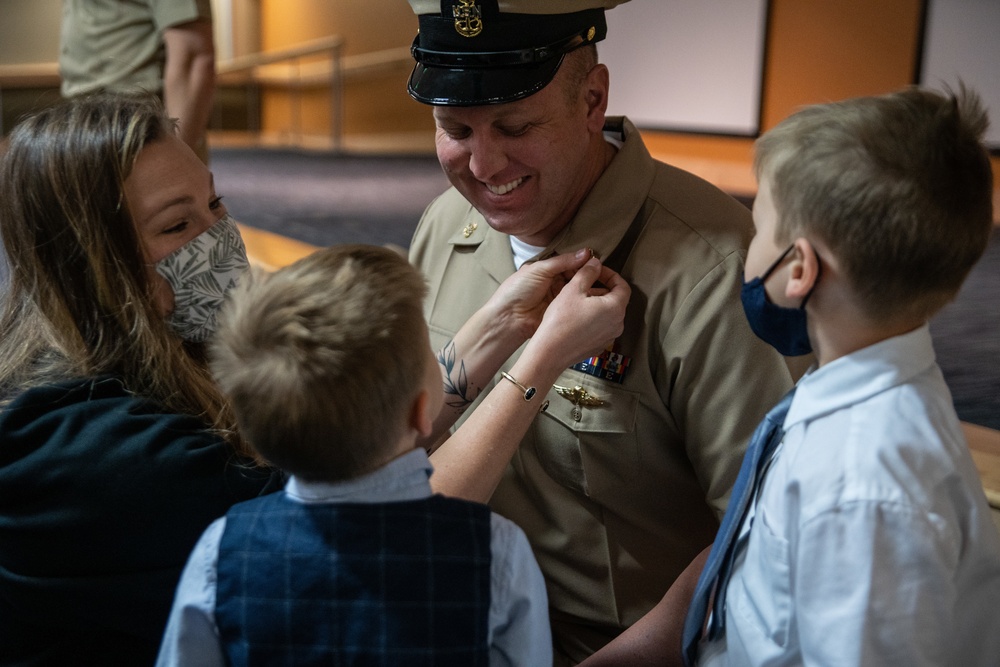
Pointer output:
615, 199
858, 376
492, 249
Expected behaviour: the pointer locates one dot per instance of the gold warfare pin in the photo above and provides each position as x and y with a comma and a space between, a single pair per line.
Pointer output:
580, 398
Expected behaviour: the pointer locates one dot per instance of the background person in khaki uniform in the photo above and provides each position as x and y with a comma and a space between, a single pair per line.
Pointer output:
159, 46
618, 484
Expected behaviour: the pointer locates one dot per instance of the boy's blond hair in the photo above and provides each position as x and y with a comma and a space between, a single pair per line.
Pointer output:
898, 186
323, 359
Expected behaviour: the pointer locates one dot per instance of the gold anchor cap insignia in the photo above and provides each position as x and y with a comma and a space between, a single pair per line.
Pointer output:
468, 18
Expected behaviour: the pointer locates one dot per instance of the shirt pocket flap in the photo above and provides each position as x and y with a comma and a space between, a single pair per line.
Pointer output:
615, 413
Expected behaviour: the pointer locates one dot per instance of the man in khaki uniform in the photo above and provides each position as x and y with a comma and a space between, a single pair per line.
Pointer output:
619, 483
159, 46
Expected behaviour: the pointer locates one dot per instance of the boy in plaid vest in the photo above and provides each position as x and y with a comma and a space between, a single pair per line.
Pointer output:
329, 368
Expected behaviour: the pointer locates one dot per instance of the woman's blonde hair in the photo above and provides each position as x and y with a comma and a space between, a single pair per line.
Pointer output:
79, 302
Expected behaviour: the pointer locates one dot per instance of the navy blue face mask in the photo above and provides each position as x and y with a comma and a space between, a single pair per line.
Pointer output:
782, 328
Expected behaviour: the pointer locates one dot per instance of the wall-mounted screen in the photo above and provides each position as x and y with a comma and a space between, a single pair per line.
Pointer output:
687, 66
962, 41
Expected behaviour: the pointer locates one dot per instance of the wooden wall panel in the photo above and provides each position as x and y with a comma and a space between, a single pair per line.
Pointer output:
375, 105
368, 26
819, 51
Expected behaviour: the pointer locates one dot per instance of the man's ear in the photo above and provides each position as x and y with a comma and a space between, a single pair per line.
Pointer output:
803, 270
421, 420
595, 92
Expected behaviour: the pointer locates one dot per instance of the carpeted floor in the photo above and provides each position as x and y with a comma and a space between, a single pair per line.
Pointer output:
324, 199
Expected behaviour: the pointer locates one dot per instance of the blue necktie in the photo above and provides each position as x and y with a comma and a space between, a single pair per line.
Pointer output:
715, 575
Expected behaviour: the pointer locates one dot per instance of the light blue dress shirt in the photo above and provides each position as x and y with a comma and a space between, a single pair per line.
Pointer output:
871, 541
518, 631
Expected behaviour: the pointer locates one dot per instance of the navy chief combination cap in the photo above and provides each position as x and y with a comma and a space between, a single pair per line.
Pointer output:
475, 52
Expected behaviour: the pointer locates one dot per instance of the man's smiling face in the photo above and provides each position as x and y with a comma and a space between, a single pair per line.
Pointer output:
526, 165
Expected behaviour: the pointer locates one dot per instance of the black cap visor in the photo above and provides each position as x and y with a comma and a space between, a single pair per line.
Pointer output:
515, 56
475, 86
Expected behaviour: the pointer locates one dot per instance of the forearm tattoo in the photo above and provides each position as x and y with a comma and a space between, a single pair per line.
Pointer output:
455, 383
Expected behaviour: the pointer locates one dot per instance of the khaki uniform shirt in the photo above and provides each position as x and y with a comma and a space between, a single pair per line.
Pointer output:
617, 502
117, 45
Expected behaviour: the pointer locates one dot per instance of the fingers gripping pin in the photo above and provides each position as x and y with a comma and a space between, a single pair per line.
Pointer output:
580, 398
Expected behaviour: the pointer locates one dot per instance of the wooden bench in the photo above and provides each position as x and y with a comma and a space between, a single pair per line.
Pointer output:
272, 251
984, 444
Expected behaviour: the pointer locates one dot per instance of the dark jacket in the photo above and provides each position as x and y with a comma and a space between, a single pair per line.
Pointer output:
102, 497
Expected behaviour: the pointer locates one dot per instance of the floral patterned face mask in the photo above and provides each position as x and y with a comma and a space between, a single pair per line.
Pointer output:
201, 272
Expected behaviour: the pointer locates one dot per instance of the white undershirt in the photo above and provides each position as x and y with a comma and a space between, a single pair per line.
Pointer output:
523, 251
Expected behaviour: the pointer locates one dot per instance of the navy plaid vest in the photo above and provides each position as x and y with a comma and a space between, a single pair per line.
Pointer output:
400, 583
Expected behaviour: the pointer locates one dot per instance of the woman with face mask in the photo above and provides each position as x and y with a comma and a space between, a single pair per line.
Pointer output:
116, 447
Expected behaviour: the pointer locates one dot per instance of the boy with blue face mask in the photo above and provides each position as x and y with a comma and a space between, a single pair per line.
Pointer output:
866, 538
857, 532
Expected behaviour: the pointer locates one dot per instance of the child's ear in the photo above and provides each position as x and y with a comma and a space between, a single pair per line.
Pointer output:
804, 270
421, 419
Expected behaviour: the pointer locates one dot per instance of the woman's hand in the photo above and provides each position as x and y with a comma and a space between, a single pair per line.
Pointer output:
570, 306
585, 313
519, 303
584, 318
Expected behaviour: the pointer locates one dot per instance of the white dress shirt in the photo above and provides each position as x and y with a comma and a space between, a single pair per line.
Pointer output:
518, 632
871, 539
